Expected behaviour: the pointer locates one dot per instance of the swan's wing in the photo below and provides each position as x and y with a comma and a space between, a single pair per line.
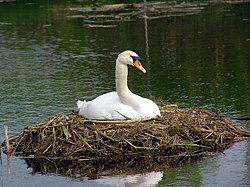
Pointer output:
126, 112
148, 109
106, 106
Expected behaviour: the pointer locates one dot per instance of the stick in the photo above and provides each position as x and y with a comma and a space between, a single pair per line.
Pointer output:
54, 140
136, 147
101, 133
7, 140
7, 147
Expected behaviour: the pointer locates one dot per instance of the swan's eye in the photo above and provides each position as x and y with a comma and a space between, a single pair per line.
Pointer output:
135, 58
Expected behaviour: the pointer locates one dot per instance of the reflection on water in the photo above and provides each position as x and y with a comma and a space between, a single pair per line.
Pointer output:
49, 62
139, 180
209, 66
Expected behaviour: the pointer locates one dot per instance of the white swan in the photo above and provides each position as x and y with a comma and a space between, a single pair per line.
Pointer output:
122, 104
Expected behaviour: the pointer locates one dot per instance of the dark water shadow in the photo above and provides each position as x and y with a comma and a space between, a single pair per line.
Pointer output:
96, 169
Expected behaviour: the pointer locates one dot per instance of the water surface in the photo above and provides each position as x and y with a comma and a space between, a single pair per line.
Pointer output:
48, 62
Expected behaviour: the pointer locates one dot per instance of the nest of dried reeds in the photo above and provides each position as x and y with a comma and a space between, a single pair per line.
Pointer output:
181, 132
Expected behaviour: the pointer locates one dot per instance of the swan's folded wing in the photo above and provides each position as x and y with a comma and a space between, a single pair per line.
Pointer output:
125, 112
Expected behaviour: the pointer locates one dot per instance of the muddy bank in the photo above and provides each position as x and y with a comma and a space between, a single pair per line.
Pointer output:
110, 15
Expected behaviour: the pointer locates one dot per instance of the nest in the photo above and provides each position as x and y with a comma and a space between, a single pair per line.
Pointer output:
180, 132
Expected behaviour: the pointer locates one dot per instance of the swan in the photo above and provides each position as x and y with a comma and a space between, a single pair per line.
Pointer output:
122, 104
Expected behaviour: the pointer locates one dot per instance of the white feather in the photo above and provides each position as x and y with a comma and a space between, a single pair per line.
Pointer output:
122, 104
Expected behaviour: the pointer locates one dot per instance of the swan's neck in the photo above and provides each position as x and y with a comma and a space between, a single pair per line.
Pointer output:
122, 89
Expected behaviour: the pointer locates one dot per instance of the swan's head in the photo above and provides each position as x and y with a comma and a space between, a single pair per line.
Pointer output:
130, 58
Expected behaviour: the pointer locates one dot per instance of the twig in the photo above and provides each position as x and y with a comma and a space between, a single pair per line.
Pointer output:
111, 147
54, 140
7, 140
116, 121
101, 133
136, 147
8, 148
47, 149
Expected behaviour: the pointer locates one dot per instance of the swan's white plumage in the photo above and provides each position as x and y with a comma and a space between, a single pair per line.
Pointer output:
122, 104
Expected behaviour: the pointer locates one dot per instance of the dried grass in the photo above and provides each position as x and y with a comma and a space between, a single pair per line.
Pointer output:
180, 132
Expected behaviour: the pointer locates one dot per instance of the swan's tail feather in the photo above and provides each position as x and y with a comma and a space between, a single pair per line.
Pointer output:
80, 104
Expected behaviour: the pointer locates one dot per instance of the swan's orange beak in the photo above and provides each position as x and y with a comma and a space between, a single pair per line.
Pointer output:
139, 66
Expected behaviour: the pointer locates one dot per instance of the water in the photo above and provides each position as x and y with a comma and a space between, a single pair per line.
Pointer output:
48, 62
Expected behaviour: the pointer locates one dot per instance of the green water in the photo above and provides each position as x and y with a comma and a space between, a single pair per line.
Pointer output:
49, 61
